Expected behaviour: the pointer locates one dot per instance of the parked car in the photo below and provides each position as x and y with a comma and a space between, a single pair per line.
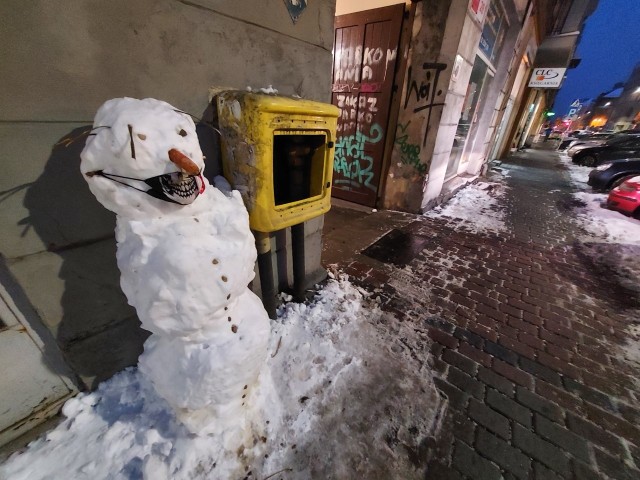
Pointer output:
625, 197
592, 140
611, 174
618, 147
576, 135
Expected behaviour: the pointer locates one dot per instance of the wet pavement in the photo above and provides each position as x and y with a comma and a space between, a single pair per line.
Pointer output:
526, 332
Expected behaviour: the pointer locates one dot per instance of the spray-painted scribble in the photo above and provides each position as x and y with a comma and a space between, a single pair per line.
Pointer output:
409, 152
425, 94
360, 109
352, 162
354, 66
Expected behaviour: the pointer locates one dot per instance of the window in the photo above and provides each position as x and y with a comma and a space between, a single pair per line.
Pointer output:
495, 27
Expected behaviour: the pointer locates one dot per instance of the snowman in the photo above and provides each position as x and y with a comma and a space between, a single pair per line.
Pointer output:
186, 255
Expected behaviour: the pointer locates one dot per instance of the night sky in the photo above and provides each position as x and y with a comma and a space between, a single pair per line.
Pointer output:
609, 49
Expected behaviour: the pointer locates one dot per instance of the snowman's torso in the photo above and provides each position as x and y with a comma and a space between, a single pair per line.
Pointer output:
184, 273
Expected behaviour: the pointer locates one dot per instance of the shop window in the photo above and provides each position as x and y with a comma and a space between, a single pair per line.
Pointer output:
495, 27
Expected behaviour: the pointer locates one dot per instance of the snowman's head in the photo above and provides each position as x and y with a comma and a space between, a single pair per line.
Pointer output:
143, 157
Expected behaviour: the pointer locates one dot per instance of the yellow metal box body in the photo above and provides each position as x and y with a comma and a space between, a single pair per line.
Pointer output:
278, 152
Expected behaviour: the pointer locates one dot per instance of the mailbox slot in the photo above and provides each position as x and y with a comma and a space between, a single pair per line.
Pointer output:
298, 165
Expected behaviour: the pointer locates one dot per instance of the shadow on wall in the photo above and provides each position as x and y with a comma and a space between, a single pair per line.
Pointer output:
98, 332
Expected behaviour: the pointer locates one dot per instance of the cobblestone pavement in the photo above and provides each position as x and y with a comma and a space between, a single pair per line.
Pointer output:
526, 338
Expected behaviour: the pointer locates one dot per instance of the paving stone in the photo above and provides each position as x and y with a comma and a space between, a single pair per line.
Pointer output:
514, 374
594, 434
560, 436
467, 461
490, 419
540, 371
509, 458
540, 472
457, 398
588, 394
541, 450
498, 382
460, 361
583, 471
615, 468
475, 354
465, 383
501, 352
509, 408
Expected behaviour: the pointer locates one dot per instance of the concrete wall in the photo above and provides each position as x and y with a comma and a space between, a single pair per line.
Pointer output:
427, 74
60, 63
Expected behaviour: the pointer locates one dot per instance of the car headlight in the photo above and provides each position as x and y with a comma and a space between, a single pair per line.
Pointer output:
604, 166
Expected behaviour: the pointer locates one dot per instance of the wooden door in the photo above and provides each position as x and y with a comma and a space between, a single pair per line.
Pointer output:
365, 54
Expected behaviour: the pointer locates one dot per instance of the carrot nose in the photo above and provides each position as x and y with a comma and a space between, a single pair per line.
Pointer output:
183, 162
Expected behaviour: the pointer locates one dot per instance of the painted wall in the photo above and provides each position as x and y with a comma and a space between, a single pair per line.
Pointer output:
60, 63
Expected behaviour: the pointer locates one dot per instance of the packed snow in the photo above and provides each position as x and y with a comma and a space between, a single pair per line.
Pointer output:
344, 399
478, 204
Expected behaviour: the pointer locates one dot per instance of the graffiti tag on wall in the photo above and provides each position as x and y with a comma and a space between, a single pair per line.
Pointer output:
351, 160
356, 67
409, 152
426, 92
355, 109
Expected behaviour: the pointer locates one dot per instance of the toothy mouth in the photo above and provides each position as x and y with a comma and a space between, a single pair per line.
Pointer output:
175, 187
179, 187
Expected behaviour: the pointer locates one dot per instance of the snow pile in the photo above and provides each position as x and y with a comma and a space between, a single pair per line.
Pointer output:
346, 399
612, 244
477, 204
578, 174
605, 224
268, 90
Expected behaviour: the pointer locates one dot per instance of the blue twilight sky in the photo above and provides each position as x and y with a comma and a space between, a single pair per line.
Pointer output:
609, 49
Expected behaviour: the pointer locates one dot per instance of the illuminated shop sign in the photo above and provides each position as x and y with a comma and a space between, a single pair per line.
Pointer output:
547, 77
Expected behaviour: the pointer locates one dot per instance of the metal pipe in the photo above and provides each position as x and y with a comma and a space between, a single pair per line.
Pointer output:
265, 268
297, 254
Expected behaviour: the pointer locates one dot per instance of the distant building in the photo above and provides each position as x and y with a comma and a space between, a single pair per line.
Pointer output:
625, 109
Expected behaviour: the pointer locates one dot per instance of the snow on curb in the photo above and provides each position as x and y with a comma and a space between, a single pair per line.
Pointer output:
477, 204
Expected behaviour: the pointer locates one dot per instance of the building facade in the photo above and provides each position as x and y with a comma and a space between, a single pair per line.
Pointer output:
429, 91
457, 95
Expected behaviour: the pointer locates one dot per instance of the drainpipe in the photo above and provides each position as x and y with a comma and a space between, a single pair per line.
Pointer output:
267, 286
297, 245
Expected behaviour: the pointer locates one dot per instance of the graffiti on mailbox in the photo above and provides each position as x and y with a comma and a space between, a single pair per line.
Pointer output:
351, 160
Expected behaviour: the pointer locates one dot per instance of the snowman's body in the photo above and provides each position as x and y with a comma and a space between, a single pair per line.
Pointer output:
184, 266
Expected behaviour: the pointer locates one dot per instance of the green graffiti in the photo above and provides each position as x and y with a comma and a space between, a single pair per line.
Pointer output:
350, 159
409, 152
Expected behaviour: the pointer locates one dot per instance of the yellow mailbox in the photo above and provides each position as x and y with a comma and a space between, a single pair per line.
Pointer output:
278, 152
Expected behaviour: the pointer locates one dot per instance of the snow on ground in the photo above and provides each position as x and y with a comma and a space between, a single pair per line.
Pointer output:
478, 205
345, 398
613, 244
